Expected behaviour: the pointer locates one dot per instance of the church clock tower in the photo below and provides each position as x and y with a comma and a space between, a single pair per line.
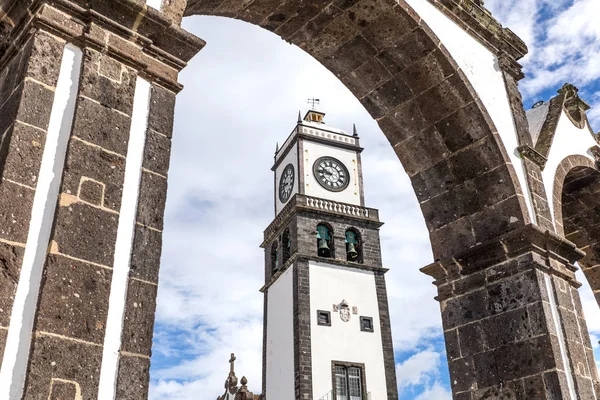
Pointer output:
327, 329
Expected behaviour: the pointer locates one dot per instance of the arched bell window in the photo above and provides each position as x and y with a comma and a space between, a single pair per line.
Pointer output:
274, 257
286, 242
324, 241
353, 246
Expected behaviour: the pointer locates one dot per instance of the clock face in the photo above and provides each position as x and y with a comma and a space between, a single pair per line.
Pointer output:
331, 174
286, 183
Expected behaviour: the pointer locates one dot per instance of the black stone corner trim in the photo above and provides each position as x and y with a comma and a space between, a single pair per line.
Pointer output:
302, 339
386, 337
531, 154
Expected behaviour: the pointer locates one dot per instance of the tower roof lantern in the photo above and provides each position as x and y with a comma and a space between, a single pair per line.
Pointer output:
314, 116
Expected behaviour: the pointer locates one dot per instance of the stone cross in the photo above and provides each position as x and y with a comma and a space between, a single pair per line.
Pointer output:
232, 362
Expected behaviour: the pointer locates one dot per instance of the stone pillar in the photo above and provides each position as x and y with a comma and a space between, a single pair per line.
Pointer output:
513, 322
86, 116
533, 161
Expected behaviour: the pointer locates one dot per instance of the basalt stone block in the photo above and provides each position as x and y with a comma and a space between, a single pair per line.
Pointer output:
387, 28
24, 156
147, 249
366, 78
15, 211
91, 192
427, 72
105, 89
3, 334
481, 157
403, 122
151, 203
11, 259
86, 232
444, 99
86, 162
304, 14
406, 50
162, 111
472, 340
157, 153
465, 309
452, 239
349, 56
462, 128
529, 357
486, 369
462, 374
514, 292
508, 391
35, 106
102, 126
139, 318
61, 390
421, 152
133, 379
387, 97
452, 344
48, 362
506, 328
74, 299
45, 59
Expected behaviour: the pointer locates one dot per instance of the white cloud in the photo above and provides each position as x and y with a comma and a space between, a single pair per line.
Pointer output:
419, 369
435, 392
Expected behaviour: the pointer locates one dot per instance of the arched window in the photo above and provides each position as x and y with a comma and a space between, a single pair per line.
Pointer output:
324, 241
274, 257
353, 246
286, 242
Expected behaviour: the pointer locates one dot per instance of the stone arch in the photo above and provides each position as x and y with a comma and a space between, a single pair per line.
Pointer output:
406, 79
577, 212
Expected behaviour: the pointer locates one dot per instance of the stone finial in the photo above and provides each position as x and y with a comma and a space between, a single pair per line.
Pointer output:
574, 105
354, 131
299, 116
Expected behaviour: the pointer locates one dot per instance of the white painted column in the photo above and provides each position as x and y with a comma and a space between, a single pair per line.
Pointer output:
18, 342
124, 245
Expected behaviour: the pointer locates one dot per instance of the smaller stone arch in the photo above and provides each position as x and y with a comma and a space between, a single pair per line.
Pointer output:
286, 246
577, 212
325, 240
354, 243
274, 256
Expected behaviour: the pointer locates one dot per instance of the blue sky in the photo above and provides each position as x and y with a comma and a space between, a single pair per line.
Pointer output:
242, 95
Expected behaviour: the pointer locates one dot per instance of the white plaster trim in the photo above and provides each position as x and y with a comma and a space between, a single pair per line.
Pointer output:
561, 338
16, 354
590, 367
527, 195
154, 4
124, 243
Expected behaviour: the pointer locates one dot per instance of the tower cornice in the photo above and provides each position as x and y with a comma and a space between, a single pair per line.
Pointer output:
301, 202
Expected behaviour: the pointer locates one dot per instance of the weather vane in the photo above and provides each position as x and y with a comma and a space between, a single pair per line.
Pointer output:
314, 102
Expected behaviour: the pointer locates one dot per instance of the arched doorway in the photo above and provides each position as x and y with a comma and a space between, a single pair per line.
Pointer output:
467, 188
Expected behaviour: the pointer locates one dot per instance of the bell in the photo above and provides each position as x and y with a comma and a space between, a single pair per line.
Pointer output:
324, 250
352, 253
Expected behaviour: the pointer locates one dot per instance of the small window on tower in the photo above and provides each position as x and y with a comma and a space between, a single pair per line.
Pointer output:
366, 324
323, 318
324, 241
